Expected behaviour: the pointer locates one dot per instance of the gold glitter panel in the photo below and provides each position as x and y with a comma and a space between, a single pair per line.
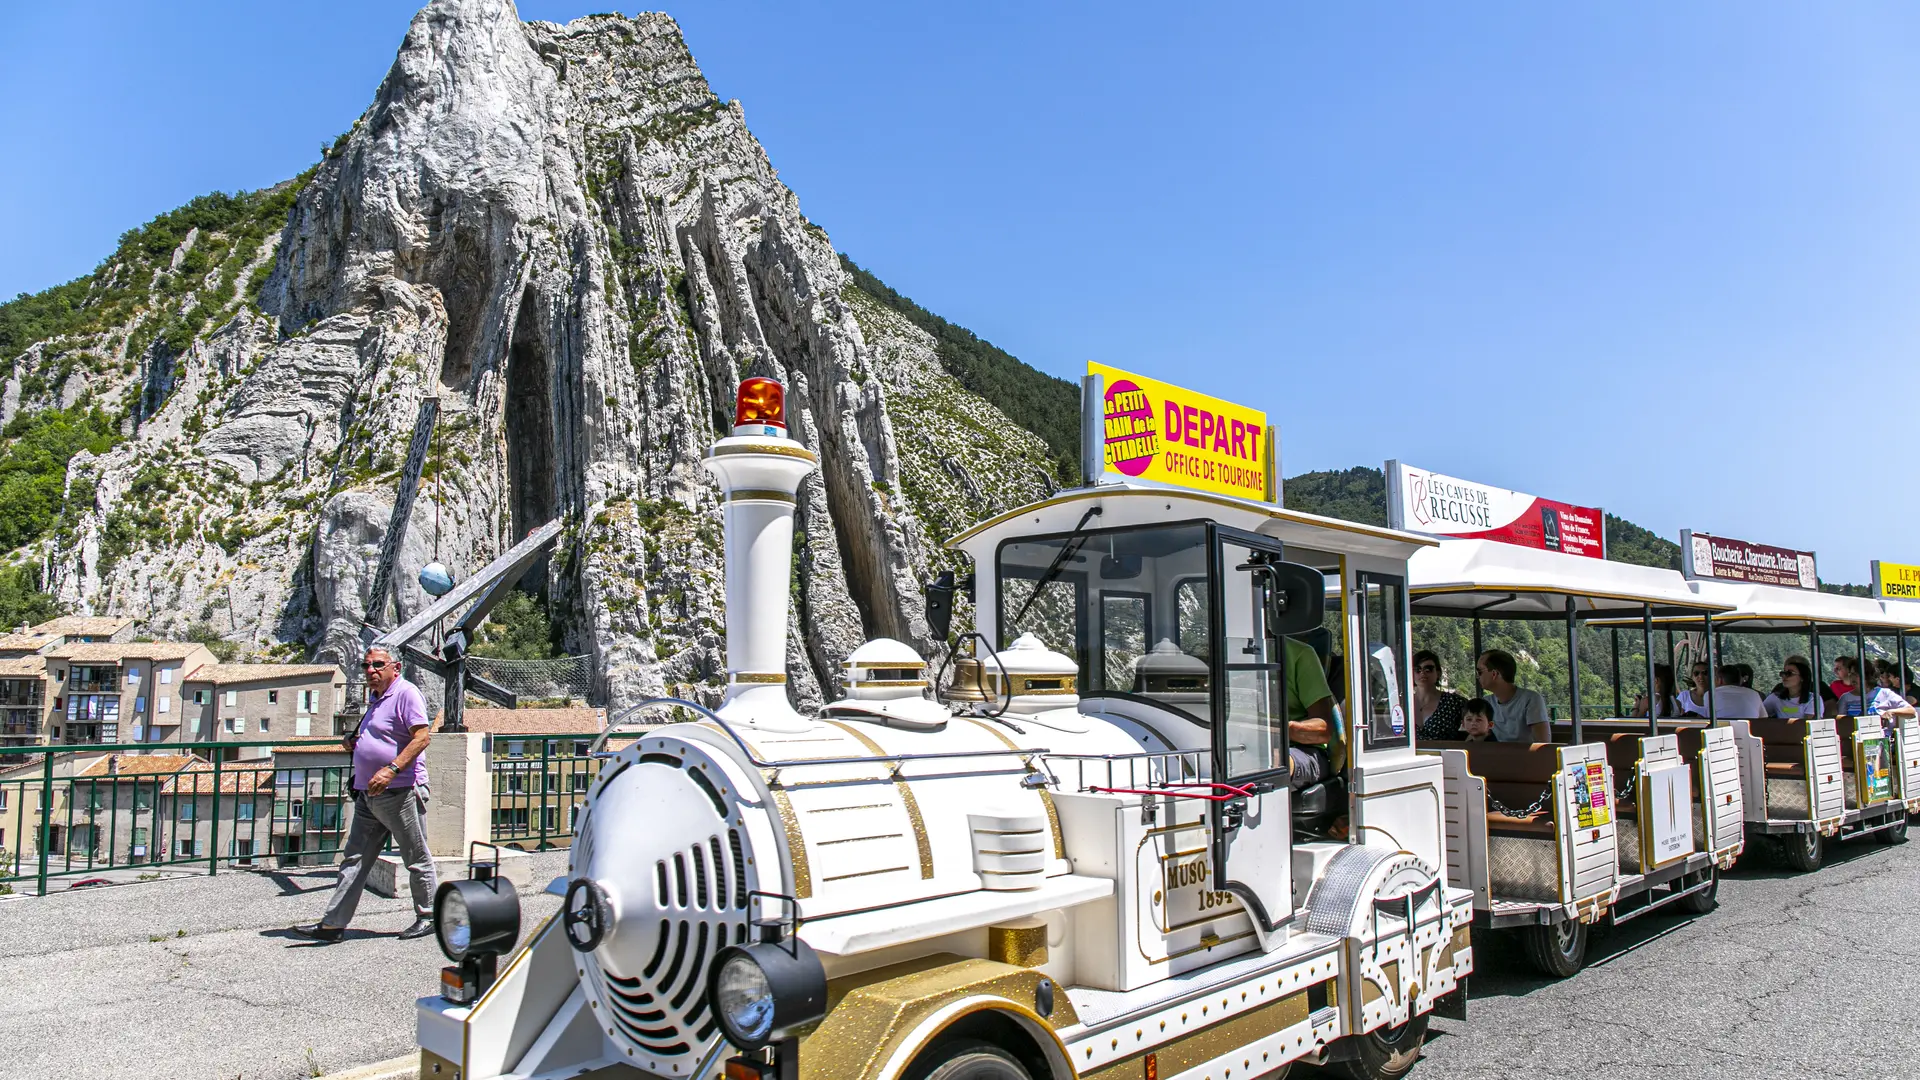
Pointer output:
1203, 1046
1021, 946
796, 843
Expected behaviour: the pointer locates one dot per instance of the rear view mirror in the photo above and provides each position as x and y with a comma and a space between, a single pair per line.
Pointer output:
1296, 597
939, 595
1120, 567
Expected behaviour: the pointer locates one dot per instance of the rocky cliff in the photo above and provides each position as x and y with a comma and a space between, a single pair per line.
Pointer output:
565, 236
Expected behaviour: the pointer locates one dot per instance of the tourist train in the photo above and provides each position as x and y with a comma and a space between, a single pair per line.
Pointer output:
1092, 842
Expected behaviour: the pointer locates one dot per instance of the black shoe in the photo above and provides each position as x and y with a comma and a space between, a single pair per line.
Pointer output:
420, 928
321, 933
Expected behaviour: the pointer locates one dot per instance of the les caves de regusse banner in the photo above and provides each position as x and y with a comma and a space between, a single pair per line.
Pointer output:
1161, 432
1440, 505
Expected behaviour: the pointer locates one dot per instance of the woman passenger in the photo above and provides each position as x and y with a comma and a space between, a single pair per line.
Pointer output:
1693, 700
1437, 711
1796, 697
1662, 692
1887, 700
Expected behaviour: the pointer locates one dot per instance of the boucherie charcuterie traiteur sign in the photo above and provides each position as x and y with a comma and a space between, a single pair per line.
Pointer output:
1167, 433
1440, 505
1721, 558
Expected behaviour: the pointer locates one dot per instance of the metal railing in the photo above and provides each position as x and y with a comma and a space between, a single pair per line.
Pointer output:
540, 782
77, 812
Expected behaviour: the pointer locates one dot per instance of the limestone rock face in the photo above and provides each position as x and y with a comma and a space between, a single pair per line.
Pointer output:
564, 236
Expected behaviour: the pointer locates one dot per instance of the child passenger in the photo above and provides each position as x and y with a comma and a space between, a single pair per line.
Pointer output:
1476, 721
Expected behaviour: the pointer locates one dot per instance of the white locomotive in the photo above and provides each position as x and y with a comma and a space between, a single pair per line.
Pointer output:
1090, 866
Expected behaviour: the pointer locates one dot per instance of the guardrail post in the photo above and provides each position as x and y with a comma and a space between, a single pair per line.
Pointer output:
546, 789
46, 814
213, 838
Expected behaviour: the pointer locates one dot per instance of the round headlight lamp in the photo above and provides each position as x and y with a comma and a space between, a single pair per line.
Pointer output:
476, 917
766, 992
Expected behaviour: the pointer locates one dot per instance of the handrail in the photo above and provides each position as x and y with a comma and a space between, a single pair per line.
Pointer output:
166, 747
754, 759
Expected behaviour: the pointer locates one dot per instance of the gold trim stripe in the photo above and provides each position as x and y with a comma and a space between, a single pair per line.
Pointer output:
1046, 797
851, 681
757, 677
794, 450
886, 663
796, 843
907, 800
761, 495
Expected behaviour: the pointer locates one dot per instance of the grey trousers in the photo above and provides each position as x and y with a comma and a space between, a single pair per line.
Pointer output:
397, 812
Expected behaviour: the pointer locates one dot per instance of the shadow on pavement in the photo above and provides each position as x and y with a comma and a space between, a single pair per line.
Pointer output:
301, 941
1764, 861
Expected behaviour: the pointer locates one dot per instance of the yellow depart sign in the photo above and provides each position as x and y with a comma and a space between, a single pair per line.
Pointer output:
1896, 581
1162, 432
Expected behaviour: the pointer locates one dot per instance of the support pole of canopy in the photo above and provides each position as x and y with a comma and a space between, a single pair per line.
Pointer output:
1573, 669
1900, 643
1713, 670
1475, 658
1618, 708
1653, 692
1860, 666
1813, 646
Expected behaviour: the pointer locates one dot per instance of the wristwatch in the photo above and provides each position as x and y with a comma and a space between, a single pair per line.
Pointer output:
395, 766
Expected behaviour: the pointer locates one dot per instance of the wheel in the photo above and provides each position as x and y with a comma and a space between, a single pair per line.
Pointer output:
1559, 950
1384, 1054
1895, 833
968, 1059
1804, 851
1700, 903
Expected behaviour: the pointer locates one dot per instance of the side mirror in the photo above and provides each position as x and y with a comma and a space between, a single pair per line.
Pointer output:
1296, 597
939, 596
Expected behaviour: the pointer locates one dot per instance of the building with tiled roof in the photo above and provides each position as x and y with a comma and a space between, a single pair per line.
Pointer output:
573, 721
87, 628
28, 644
121, 692
264, 701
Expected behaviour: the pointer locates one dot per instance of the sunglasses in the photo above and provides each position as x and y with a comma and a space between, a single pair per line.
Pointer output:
1424, 668
376, 665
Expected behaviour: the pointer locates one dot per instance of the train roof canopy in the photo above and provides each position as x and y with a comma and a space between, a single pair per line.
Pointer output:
1504, 581
1134, 503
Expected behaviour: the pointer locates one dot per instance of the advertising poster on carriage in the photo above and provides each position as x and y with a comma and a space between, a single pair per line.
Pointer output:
1447, 506
1588, 782
1876, 769
1157, 431
1668, 816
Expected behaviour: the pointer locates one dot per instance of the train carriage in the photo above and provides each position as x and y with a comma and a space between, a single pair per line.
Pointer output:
1616, 816
1810, 781
1091, 860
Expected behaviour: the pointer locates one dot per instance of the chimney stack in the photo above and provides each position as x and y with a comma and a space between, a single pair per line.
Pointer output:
759, 468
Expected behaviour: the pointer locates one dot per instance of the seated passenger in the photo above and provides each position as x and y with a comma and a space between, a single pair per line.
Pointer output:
1731, 701
1886, 698
1746, 675
1846, 677
1313, 742
1476, 722
1663, 694
1693, 700
1436, 712
1519, 716
1795, 698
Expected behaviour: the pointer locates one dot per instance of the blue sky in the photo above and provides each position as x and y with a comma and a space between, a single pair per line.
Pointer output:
1660, 258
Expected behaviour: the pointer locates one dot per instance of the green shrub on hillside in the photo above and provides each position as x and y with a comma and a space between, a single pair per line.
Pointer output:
34, 451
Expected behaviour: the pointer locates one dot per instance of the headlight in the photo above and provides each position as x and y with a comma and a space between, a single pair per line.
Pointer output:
476, 917
766, 992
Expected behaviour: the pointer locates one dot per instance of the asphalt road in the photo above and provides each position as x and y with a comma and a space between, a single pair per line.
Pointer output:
197, 979
1795, 975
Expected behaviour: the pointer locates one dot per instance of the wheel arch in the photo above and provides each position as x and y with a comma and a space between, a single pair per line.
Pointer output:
995, 1019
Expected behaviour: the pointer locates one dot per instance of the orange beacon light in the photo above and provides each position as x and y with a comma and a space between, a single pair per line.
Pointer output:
761, 403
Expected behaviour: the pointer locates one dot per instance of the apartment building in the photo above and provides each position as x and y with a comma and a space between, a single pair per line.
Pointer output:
238, 821
120, 692
137, 809
311, 804
540, 782
25, 706
263, 701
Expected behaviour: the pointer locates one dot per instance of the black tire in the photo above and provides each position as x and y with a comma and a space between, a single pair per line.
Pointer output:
967, 1059
1384, 1054
1557, 951
1704, 901
1804, 851
1895, 833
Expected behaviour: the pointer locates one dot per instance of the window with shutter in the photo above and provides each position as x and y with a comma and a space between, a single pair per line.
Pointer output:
166, 675
303, 725
273, 697
166, 704
232, 698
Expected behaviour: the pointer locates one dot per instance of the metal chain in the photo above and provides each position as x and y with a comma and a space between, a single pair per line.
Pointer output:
1532, 808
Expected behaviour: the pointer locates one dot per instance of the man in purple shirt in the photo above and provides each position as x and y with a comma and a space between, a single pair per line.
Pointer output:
389, 798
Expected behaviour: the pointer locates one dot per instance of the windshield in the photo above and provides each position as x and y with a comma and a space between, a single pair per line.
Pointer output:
1129, 606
